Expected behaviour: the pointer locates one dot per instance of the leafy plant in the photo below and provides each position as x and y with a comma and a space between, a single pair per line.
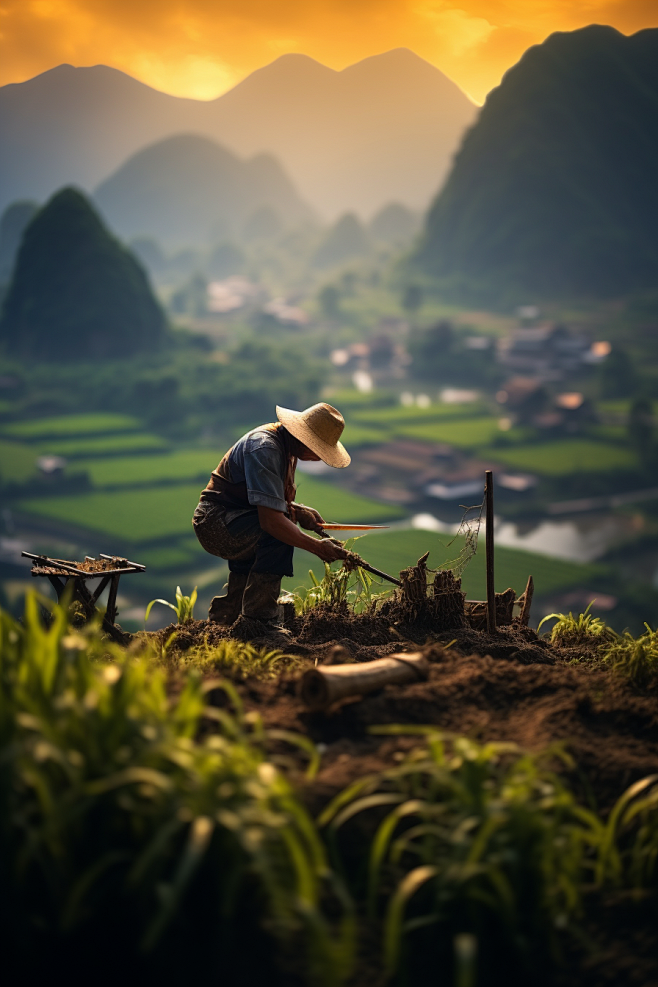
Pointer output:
123, 820
481, 841
635, 658
570, 631
183, 608
628, 850
347, 584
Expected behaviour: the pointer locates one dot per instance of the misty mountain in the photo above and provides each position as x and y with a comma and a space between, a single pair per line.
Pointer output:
555, 189
395, 223
13, 222
345, 240
188, 189
76, 292
382, 130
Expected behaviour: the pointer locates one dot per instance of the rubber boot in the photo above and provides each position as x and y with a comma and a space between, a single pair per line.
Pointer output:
227, 608
260, 610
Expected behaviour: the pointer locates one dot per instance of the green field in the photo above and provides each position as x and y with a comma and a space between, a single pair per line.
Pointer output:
103, 445
400, 415
163, 512
94, 423
565, 457
468, 434
360, 435
341, 505
395, 550
184, 464
17, 462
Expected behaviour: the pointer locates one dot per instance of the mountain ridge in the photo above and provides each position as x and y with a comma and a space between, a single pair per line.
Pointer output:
381, 130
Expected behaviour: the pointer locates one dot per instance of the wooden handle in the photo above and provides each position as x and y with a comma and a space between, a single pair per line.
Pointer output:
320, 687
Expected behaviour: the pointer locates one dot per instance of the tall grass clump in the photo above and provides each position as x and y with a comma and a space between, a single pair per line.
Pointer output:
584, 629
145, 833
634, 658
238, 659
477, 860
346, 585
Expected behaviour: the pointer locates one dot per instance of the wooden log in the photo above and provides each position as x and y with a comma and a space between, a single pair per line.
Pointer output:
320, 687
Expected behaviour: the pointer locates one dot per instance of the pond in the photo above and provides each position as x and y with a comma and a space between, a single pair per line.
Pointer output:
581, 539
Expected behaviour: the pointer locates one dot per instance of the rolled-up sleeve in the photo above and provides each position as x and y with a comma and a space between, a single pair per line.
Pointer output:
264, 470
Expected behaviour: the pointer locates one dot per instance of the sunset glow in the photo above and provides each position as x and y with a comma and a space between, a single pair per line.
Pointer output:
199, 48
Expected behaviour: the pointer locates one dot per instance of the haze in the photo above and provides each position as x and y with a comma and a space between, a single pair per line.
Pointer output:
200, 50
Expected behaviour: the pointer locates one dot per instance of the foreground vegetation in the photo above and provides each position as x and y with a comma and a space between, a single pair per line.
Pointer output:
142, 806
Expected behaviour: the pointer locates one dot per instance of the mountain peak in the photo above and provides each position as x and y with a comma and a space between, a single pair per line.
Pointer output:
553, 190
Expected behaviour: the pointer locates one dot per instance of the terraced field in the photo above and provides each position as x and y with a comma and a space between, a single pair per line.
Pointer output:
392, 551
565, 457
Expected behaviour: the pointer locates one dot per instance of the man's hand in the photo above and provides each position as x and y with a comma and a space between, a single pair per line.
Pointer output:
306, 517
330, 551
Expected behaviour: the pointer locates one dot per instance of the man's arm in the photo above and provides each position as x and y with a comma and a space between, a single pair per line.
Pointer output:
275, 523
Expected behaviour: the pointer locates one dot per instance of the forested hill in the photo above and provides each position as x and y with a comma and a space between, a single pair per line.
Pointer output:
555, 188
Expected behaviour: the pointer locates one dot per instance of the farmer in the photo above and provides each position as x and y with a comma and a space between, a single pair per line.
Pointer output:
247, 514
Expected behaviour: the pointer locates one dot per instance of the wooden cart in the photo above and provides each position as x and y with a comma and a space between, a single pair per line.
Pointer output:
64, 575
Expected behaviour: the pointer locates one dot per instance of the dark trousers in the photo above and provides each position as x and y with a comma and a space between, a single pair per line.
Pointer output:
270, 554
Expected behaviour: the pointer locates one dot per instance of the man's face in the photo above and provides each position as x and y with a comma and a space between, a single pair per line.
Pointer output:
306, 454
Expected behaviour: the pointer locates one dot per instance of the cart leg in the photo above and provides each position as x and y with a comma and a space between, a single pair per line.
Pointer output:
111, 611
58, 585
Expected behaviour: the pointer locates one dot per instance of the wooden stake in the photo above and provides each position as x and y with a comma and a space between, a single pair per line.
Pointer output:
489, 543
526, 597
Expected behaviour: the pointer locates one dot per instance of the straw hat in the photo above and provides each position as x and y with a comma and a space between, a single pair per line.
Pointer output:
319, 427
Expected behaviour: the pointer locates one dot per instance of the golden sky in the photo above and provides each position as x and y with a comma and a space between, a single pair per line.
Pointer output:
201, 48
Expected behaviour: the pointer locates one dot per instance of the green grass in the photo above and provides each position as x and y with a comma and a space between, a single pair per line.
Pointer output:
93, 423
567, 456
167, 557
399, 415
468, 434
162, 512
131, 515
184, 464
360, 435
339, 505
17, 462
395, 550
103, 445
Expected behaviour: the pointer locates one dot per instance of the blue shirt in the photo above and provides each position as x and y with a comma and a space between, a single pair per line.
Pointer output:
257, 459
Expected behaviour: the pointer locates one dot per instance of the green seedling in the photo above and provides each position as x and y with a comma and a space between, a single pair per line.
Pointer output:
183, 608
570, 631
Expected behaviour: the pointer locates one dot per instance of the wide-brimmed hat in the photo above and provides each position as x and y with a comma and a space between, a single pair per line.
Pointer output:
319, 427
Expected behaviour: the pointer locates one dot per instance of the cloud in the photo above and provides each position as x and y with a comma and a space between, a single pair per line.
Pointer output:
200, 48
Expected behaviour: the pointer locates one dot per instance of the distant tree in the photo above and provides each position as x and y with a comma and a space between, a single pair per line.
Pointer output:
329, 299
618, 376
76, 292
412, 298
640, 427
192, 298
